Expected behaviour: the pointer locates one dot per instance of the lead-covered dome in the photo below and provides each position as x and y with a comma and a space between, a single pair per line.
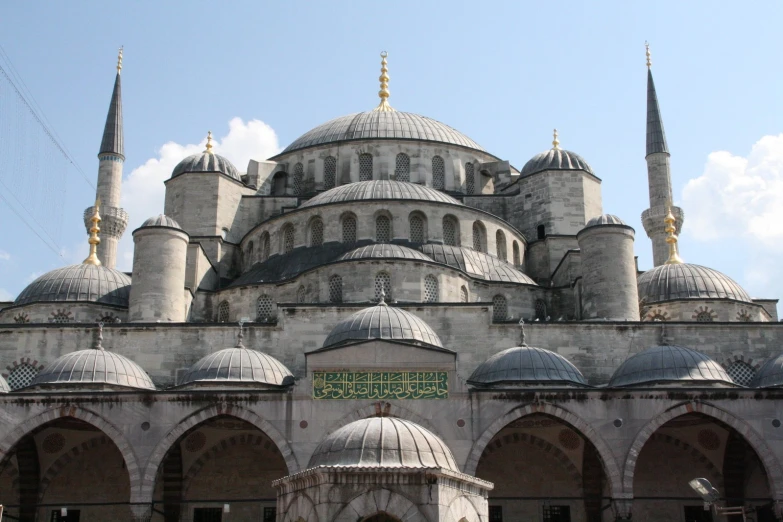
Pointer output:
384, 251
206, 162
83, 282
370, 125
770, 375
386, 323
478, 264
161, 220
687, 281
605, 219
239, 365
526, 365
93, 366
383, 442
555, 159
669, 365
379, 189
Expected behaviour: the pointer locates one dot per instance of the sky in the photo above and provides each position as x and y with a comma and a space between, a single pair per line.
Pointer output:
260, 74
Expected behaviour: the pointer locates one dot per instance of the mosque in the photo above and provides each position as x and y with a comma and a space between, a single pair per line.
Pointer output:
387, 322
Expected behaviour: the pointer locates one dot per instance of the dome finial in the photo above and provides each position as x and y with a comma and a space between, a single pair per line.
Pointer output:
647, 48
94, 240
240, 336
382, 300
522, 330
671, 238
555, 141
384, 92
208, 150
119, 61
99, 337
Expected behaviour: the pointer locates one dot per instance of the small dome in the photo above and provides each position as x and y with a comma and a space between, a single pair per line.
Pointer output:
383, 322
239, 365
4, 388
477, 264
555, 159
379, 189
384, 251
605, 219
383, 442
98, 284
206, 162
687, 281
396, 125
529, 365
770, 375
161, 220
94, 366
669, 364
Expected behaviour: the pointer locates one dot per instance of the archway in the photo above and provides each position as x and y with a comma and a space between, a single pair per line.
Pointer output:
381, 517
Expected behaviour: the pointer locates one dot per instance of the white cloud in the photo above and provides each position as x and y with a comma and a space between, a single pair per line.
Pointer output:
143, 190
4, 256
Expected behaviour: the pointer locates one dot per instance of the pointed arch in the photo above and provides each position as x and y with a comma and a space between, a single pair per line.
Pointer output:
379, 500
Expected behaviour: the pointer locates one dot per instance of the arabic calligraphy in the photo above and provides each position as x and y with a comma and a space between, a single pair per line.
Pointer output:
380, 385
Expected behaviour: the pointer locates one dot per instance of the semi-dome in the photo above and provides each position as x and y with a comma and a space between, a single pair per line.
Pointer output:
383, 322
379, 189
669, 365
555, 159
206, 162
93, 366
395, 125
161, 220
478, 264
4, 388
770, 375
83, 282
384, 251
605, 219
687, 281
239, 365
383, 442
526, 365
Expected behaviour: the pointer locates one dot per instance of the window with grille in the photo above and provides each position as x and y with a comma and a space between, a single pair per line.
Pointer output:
557, 513
301, 295
288, 239
335, 289
499, 308
330, 172
365, 167
402, 168
416, 229
478, 238
223, 312
517, 257
500, 241
383, 229
349, 229
704, 317
741, 372
61, 316
264, 309
450, 235
438, 173
317, 233
463, 295
430, 289
383, 286
298, 178
265, 247
22, 375
470, 179
540, 310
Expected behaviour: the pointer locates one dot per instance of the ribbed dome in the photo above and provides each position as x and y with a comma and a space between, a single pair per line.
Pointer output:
605, 219
239, 365
98, 284
379, 189
669, 364
161, 220
4, 388
555, 159
526, 364
383, 442
381, 125
686, 281
94, 366
206, 162
770, 375
477, 264
384, 251
383, 322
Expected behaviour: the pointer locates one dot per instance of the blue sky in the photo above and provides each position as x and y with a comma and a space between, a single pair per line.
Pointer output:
504, 73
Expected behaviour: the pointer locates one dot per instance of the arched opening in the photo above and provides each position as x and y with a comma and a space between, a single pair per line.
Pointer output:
517, 256
479, 237
249, 253
349, 228
330, 172
499, 309
380, 517
500, 245
316, 232
451, 231
265, 246
693, 446
383, 287
417, 224
279, 182
301, 295
463, 294
264, 309
335, 289
224, 312
431, 292
298, 179
470, 179
383, 231
22, 375
402, 167
287, 239
540, 309
223, 460
365, 167
541, 231
543, 469
438, 173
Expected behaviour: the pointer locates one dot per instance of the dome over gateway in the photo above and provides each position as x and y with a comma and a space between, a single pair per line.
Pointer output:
93, 283
669, 365
385, 323
379, 189
688, 281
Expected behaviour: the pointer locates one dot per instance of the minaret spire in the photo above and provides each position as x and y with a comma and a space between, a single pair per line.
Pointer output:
384, 92
112, 142
656, 138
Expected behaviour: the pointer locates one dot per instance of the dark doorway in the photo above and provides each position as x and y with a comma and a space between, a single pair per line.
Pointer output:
697, 514
207, 514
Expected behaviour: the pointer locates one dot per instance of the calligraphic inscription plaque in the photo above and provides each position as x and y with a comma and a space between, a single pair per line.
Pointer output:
380, 385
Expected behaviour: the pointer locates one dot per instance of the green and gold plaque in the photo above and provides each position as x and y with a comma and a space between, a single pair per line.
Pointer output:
380, 385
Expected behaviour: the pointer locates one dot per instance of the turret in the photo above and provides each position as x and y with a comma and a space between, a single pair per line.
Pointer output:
111, 158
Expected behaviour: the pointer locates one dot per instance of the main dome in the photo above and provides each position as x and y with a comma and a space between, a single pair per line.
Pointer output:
383, 322
369, 125
379, 189
95, 283
687, 281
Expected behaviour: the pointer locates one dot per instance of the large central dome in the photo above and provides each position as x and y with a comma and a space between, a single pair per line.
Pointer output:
382, 125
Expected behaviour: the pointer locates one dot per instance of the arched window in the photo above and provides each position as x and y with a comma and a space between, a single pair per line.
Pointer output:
517, 257
430, 289
450, 231
416, 233
335, 289
383, 229
301, 294
288, 238
349, 229
330, 172
265, 246
22, 375
541, 231
317, 232
499, 308
279, 183
470, 179
741, 372
438, 173
463, 295
365, 167
479, 238
540, 310
500, 245
298, 178
402, 167
383, 286
249, 255
264, 309
224, 311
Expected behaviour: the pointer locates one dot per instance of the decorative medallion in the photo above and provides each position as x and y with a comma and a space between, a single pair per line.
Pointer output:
195, 442
380, 385
53, 443
568, 439
709, 440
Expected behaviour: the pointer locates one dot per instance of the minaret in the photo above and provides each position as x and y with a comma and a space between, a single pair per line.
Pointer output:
659, 177
111, 157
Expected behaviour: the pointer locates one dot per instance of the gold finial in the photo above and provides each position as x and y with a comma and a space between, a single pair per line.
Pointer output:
384, 92
94, 240
119, 61
649, 61
208, 150
555, 141
671, 238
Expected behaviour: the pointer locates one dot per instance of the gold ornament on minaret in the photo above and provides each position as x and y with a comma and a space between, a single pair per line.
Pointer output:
94, 240
208, 150
119, 61
384, 92
555, 141
671, 239
649, 61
